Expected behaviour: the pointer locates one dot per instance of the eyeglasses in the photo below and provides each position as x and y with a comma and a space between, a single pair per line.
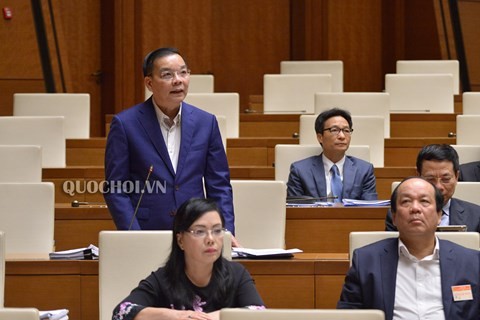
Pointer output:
202, 233
336, 131
443, 180
167, 75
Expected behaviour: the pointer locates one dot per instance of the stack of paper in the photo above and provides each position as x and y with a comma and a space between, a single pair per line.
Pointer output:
370, 203
60, 314
88, 253
263, 253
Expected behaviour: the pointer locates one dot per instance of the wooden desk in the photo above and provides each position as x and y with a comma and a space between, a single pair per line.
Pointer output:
307, 281
310, 229
422, 124
327, 229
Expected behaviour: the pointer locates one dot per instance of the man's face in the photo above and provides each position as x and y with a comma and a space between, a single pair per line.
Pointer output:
442, 175
334, 145
416, 208
169, 81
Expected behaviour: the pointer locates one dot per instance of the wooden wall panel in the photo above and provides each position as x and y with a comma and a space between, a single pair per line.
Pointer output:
469, 20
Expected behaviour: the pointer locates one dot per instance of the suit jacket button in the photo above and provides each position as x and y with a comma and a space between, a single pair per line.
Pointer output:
177, 187
172, 213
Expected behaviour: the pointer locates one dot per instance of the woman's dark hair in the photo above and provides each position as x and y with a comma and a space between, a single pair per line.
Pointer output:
221, 281
438, 195
154, 55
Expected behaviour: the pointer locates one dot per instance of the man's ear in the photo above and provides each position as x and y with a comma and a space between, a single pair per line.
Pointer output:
394, 218
148, 82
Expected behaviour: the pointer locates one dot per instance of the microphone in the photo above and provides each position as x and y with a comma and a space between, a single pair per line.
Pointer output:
141, 196
76, 203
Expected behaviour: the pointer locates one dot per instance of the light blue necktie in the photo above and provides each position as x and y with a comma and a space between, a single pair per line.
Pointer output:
336, 184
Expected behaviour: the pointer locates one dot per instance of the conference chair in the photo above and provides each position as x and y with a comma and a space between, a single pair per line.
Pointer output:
222, 126
467, 153
19, 314
126, 257
303, 314
293, 93
335, 68
2, 268
357, 103
465, 190
286, 154
432, 66
20, 163
467, 126
75, 107
260, 213
46, 132
220, 104
27, 214
199, 83
360, 239
471, 102
368, 130
420, 93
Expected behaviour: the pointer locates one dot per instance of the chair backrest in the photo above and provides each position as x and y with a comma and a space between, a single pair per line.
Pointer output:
432, 66
465, 190
126, 257
27, 214
303, 314
2, 268
471, 103
467, 153
286, 154
357, 103
199, 83
467, 125
420, 93
47, 132
20, 163
293, 93
360, 239
260, 213
335, 68
368, 130
75, 107
220, 104
19, 314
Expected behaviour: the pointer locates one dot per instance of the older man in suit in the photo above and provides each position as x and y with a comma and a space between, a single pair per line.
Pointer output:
439, 164
415, 276
332, 174
181, 142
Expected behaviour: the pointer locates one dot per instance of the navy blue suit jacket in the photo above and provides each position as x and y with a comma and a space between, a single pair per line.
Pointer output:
370, 282
307, 178
470, 171
135, 142
461, 213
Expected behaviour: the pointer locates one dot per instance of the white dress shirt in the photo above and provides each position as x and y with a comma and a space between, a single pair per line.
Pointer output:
418, 291
171, 132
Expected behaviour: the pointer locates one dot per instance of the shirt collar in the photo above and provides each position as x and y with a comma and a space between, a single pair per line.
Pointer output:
403, 251
162, 116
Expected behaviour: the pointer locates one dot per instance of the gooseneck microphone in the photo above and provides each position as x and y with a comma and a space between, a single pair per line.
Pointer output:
141, 196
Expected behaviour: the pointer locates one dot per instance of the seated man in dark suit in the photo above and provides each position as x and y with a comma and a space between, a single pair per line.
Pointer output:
332, 173
470, 171
438, 164
415, 276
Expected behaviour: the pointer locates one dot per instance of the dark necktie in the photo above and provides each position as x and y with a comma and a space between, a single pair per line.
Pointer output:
336, 184
444, 221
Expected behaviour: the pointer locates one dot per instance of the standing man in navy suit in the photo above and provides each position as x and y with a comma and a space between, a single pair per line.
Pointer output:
415, 276
315, 176
181, 142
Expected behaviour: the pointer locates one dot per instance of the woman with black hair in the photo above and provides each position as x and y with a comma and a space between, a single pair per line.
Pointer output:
196, 281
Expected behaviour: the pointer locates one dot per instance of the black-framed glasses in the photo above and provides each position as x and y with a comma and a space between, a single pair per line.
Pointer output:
202, 232
336, 131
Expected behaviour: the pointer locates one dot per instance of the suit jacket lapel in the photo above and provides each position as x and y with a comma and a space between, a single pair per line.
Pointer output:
318, 174
457, 213
349, 172
447, 275
148, 119
389, 263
